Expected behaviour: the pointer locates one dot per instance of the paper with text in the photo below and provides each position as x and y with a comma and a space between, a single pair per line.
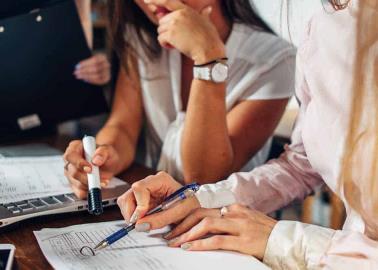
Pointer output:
23, 178
137, 251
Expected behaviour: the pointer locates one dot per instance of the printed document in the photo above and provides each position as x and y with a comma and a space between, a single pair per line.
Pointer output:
137, 251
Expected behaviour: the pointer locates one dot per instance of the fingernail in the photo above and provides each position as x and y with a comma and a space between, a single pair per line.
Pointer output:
167, 235
77, 66
186, 246
103, 184
87, 169
98, 159
134, 218
172, 241
147, 1
143, 227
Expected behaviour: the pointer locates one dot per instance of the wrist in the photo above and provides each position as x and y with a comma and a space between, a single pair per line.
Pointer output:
208, 54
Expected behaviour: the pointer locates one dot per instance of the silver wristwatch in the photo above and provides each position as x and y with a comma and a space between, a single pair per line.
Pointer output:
215, 71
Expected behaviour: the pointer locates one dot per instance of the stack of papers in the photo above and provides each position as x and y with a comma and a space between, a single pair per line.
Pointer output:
137, 251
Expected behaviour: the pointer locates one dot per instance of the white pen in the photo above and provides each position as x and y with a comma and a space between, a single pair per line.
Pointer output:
94, 185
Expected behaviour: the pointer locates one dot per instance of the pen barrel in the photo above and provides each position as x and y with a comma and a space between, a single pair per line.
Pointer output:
89, 145
119, 234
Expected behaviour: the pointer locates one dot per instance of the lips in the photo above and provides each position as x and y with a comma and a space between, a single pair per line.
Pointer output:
161, 12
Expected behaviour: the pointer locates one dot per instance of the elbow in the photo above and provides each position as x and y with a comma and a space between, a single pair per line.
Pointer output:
210, 170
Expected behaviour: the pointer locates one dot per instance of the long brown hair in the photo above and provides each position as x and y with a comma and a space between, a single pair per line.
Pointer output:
127, 19
359, 170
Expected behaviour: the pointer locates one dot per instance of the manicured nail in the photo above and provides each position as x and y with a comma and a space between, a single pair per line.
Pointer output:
167, 235
98, 159
134, 218
186, 246
87, 169
143, 227
172, 241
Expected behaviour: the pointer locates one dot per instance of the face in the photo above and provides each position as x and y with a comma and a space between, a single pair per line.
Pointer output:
155, 13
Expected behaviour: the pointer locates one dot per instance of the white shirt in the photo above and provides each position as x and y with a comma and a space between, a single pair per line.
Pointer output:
261, 67
325, 64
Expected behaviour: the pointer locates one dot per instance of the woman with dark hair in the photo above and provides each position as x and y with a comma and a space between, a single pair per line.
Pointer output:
206, 79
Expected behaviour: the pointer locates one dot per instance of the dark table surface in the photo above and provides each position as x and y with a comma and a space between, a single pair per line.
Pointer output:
28, 254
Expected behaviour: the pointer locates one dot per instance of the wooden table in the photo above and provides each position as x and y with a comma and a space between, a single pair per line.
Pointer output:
28, 253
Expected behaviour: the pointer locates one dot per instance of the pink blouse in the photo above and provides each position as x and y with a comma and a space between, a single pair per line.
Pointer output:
324, 88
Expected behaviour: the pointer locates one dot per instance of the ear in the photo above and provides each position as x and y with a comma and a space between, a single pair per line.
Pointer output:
207, 11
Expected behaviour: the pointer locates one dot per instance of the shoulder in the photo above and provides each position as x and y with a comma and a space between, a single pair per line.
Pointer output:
257, 47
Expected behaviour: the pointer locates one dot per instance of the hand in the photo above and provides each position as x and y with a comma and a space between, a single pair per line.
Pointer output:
94, 70
77, 167
189, 31
147, 194
239, 229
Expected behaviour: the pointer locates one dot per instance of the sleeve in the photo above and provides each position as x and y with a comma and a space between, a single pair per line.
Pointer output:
275, 184
294, 245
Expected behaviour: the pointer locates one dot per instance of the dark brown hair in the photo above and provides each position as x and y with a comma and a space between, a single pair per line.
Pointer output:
126, 18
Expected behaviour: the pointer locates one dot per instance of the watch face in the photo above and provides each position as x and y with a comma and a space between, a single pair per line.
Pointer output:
219, 73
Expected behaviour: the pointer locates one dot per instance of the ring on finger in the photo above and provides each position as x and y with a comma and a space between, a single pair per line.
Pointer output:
66, 165
223, 211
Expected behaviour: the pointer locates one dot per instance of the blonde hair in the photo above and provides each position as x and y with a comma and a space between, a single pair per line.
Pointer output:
359, 169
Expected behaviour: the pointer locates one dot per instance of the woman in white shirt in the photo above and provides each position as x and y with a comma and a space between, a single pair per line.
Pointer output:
196, 126
334, 142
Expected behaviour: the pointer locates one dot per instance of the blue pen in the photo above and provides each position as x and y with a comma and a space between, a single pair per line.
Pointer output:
181, 194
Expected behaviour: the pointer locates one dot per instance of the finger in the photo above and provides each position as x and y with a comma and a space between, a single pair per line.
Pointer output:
127, 205
171, 215
206, 12
101, 156
193, 219
238, 208
218, 242
163, 28
165, 40
74, 155
161, 184
79, 189
94, 69
168, 4
75, 173
206, 226
92, 61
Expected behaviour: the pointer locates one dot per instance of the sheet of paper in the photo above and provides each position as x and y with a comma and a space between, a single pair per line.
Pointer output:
24, 178
137, 251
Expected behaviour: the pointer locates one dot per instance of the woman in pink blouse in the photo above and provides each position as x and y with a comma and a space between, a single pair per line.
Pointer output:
335, 142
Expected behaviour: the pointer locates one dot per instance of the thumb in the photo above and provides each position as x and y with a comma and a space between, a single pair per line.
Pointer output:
207, 11
101, 156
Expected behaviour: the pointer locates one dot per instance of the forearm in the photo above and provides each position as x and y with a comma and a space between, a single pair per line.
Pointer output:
206, 148
84, 10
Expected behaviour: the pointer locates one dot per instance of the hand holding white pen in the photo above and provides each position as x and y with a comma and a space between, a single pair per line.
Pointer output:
77, 167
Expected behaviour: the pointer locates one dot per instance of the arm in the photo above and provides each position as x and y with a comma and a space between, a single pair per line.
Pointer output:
84, 10
285, 179
225, 141
312, 247
124, 124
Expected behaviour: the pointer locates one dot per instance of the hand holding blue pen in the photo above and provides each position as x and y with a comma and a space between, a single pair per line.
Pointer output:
181, 194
